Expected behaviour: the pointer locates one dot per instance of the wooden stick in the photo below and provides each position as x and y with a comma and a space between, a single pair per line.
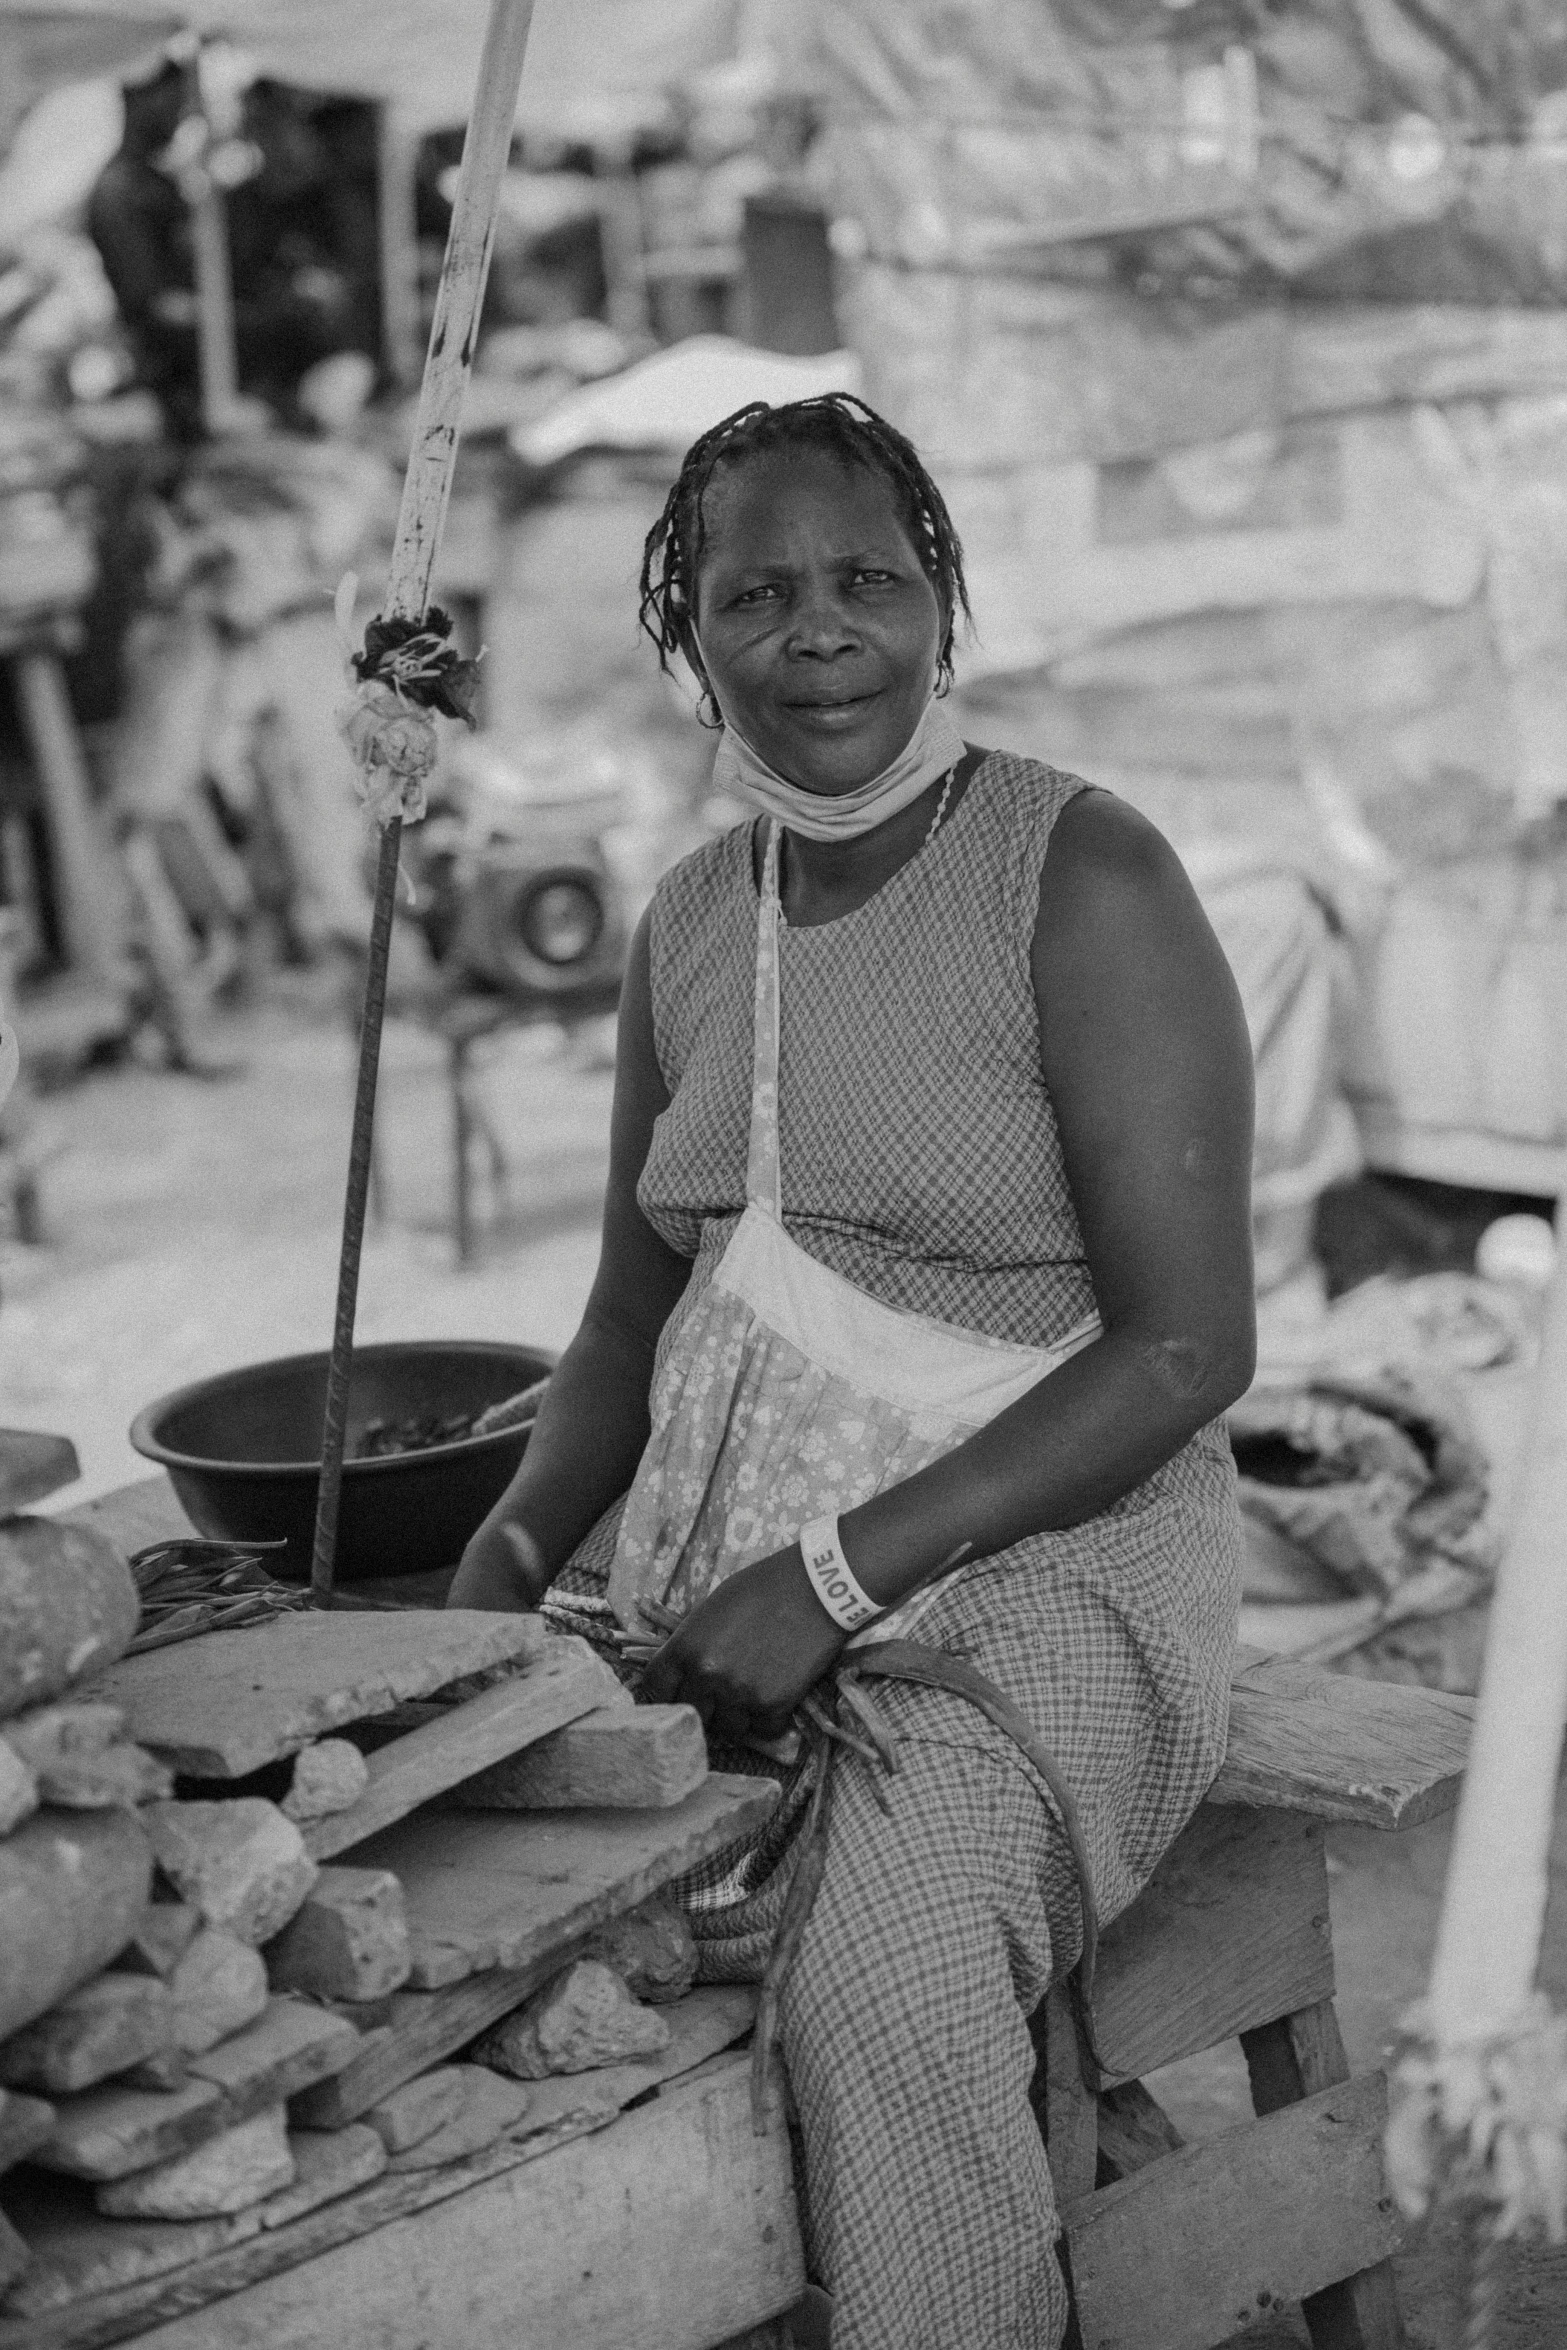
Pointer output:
426, 493
215, 344
1493, 1905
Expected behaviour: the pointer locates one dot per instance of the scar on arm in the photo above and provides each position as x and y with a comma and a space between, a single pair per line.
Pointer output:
1175, 1363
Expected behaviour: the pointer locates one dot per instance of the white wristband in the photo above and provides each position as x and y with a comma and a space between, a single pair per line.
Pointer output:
831, 1579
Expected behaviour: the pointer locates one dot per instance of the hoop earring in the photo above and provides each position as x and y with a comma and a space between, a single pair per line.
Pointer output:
708, 713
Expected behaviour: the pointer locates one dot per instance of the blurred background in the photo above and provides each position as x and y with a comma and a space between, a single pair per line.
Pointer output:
1233, 332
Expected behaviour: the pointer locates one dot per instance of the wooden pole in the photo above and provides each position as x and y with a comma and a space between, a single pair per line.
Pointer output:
426, 493
1493, 1905
215, 346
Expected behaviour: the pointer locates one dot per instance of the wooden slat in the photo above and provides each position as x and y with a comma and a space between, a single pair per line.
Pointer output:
252, 1697
1208, 2241
557, 1688
554, 1877
672, 2228
1289, 2059
1231, 1931
103, 2133
1377, 1752
96, 2278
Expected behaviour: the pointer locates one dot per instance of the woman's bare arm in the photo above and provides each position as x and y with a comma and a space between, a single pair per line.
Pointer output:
1148, 1064
591, 1431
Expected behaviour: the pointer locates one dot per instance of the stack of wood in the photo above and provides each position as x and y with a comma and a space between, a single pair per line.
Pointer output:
260, 2048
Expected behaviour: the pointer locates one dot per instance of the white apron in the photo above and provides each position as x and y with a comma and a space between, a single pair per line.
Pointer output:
789, 1394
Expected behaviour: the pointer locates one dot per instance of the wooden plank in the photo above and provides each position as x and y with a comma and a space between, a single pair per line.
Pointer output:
1287, 2060
560, 1685
1206, 2242
675, 2228
1231, 1931
621, 1758
1383, 1754
253, 1696
541, 1881
105, 2133
490, 2250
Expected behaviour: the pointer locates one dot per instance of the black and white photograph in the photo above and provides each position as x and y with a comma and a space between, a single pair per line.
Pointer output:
783, 1080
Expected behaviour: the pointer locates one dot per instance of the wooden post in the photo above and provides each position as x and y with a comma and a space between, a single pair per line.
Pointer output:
397, 145
427, 489
215, 349
1493, 1906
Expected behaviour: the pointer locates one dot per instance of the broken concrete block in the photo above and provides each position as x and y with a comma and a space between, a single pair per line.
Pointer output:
165, 1932
490, 2106
98, 2030
72, 1887
418, 2109
652, 1949
18, 1790
217, 1987
33, 1464
347, 1940
231, 2171
96, 1782
586, 2017
327, 2164
241, 1863
68, 1606
45, 1734
25, 2123
328, 1777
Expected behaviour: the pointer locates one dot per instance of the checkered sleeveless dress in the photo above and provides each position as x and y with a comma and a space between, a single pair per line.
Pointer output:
922, 1161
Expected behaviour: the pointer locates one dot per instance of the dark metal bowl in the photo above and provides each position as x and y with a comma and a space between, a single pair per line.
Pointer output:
244, 1453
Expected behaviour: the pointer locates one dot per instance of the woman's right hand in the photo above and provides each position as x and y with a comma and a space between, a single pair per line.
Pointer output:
502, 1569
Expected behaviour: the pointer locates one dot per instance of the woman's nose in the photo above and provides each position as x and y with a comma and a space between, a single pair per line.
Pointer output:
821, 626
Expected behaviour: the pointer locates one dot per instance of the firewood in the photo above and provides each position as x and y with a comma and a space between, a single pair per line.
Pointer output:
585, 2018
230, 2172
241, 1863
68, 1606
14, 2254
100, 2029
347, 1940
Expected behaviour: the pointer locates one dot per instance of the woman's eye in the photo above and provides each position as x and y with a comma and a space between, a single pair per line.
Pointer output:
754, 595
875, 577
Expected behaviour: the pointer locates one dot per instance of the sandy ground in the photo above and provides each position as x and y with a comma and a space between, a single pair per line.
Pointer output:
193, 1226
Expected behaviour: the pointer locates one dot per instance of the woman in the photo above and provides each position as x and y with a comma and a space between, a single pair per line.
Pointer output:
926, 1278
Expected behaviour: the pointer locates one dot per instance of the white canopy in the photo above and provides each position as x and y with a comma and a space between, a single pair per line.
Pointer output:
587, 59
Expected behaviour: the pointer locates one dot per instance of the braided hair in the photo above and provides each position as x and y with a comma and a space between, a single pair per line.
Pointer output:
845, 428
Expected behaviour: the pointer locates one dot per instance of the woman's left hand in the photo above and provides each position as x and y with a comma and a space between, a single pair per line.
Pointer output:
748, 1653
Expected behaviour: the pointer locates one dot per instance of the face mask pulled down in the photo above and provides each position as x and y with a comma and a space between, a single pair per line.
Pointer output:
932, 749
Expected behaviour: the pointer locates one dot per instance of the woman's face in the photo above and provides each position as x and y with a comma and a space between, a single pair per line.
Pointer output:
819, 628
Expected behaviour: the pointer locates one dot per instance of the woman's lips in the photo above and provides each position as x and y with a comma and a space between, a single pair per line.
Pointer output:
831, 715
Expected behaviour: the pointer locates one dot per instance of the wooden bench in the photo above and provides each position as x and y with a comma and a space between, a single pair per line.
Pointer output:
673, 2227
1178, 2248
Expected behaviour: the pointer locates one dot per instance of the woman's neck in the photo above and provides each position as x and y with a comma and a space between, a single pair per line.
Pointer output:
822, 881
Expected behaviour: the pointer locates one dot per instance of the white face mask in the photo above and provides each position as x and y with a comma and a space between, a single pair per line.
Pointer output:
931, 751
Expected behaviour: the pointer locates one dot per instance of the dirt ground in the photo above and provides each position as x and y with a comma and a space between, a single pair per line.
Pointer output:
192, 1226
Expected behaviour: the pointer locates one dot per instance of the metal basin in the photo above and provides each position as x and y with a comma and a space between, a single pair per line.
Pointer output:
244, 1453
